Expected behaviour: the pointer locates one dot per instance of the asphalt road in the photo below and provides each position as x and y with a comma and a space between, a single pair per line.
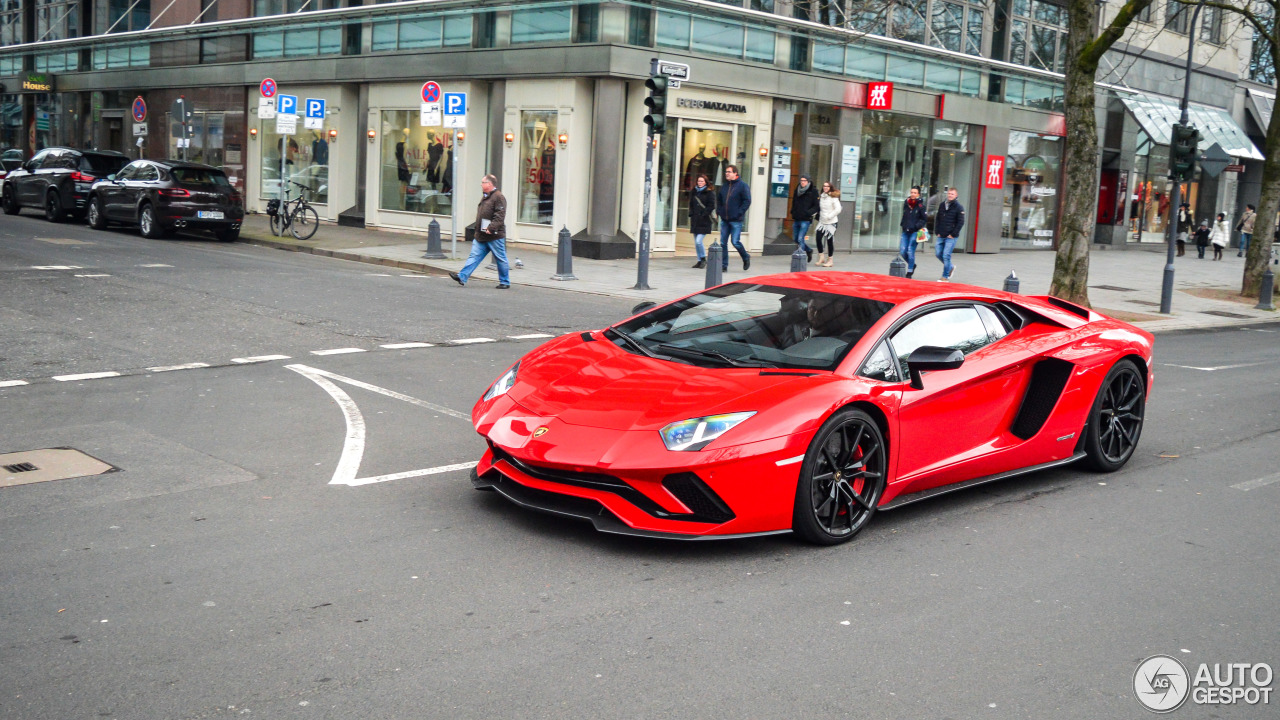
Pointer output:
221, 573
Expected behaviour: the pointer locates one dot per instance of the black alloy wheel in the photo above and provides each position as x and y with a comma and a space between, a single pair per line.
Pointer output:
53, 211
1115, 423
10, 202
842, 479
97, 219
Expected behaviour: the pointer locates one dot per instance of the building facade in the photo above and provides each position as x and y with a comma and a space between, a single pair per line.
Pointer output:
875, 99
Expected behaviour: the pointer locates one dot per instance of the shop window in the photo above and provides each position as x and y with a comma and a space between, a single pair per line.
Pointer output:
542, 26
828, 57
717, 38
416, 165
744, 158
864, 63
673, 30
665, 187
538, 166
306, 157
207, 132
1032, 169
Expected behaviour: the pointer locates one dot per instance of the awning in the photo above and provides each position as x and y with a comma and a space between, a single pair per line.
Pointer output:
1260, 107
1157, 116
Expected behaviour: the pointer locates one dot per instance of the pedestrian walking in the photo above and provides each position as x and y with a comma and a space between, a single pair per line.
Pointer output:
702, 205
735, 198
1202, 237
1182, 228
1246, 228
804, 208
914, 219
829, 208
491, 235
947, 223
1220, 236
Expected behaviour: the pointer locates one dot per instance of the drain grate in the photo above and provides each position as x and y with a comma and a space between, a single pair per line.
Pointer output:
21, 467
1117, 288
1225, 314
37, 466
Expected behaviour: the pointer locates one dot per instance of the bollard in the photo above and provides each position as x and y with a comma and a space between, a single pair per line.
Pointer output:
1011, 283
564, 257
433, 242
799, 260
898, 267
713, 265
1266, 291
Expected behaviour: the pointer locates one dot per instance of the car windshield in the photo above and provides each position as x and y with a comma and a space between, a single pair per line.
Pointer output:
102, 164
200, 176
744, 324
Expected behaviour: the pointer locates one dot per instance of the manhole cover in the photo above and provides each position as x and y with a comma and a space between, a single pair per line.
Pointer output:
1117, 288
1224, 313
36, 466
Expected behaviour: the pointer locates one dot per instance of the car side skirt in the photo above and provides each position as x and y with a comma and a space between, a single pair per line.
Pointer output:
944, 489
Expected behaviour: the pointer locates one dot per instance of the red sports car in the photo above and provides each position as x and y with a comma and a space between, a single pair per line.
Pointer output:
807, 402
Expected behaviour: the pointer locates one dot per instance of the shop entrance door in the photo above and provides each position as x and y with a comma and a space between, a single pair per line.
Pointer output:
705, 149
894, 154
952, 169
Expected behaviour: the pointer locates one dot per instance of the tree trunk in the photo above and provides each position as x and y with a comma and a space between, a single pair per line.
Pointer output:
1071, 266
1255, 262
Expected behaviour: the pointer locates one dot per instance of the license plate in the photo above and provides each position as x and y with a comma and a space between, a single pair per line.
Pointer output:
209, 214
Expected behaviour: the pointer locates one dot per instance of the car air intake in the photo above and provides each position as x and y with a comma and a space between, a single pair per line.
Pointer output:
702, 500
1048, 378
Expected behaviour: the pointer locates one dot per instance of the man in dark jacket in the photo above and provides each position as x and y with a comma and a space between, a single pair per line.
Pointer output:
804, 208
947, 224
735, 198
914, 219
491, 235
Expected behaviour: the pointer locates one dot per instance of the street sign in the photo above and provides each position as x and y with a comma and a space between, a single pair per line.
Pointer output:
139, 129
1234, 168
139, 109
315, 114
267, 88
286, 124
287, 105
674, 70
455, 110
266, 108
430, 114
1214, 160
431, 91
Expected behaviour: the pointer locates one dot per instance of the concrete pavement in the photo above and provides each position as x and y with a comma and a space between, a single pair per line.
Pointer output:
1123, 284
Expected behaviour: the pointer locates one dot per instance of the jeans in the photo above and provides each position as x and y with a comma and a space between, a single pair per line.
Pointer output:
799, 229
1244, 242
481, 249
943, 251
697, 245
728, 229
907, 249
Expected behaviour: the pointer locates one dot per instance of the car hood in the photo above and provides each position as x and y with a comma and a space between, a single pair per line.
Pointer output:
598, 384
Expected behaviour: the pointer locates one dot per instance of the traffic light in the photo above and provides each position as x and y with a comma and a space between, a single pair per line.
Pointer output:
657, 103
1184, 146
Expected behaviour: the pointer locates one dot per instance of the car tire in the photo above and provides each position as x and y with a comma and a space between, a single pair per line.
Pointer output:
842, 479
53, 210
228, 235
1115, 420
148, 224
10, 203
97, 219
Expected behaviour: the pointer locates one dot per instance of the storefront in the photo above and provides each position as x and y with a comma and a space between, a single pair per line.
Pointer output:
1032, 173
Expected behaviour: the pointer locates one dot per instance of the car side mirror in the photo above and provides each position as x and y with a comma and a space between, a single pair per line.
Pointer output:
111, 177
929, 357
641, 307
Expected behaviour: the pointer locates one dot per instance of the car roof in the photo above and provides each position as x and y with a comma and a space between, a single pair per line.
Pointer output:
104, 153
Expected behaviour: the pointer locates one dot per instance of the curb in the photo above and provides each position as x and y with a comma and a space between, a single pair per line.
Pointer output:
423, 268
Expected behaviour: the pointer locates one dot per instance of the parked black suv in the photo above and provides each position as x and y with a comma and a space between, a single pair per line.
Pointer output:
163, 195
58, 180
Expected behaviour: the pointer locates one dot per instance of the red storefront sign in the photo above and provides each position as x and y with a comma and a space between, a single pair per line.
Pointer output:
880, 96
994, 176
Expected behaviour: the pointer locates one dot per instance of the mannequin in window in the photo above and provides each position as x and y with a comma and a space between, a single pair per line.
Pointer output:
435, 151
695, 167
402, 172
711, 165
547, 180
319, 149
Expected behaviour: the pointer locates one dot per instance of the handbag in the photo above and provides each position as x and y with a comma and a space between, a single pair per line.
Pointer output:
922, 236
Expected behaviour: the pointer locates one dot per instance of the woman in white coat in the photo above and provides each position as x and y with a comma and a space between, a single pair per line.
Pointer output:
1220, 235
828, 216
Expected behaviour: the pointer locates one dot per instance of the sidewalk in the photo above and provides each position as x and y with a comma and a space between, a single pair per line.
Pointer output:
1122, 284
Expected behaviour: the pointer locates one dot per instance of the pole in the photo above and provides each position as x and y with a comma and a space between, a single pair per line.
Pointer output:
453, 201
642, 267
1175, 201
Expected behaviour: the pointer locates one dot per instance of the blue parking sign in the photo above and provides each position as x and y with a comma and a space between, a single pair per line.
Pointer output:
455, 103
315, 108
287, 105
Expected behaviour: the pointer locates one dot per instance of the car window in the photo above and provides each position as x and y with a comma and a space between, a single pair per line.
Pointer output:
996, 325
879, 365
958, 328
200, 176
50, 159
147, 173
38, 159
102, 165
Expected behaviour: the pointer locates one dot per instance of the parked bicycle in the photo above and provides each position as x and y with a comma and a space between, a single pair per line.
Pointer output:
297, 216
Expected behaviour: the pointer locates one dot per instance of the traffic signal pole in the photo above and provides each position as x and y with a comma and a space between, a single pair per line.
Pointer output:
1166, 288
656, 120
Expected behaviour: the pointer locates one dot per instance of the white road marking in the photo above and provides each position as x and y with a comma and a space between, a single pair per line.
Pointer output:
377, 274
337, 351
12, 383
155, 265
92, 275
86, 376
470, 341
383, 391
416, 276
56, 267
170, 368
1257, 330
259, 358
789, 461
1221, 367
1260, 482
414, 473
407, 346
530, 336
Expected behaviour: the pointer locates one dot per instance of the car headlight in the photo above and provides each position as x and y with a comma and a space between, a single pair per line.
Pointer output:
502, 384
697, 433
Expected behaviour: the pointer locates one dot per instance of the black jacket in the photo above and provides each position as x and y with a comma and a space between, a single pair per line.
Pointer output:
805, 204
702, 204
914, 218
949, 219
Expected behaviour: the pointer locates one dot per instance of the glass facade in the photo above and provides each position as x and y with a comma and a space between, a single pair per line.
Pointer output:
1032, 171
306, 161
416, 167
538, 130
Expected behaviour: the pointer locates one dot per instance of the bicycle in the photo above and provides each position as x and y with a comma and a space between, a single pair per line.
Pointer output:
297, 216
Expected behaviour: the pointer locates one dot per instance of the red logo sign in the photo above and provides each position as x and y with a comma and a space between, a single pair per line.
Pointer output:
995, 172
880, 96
268, 88
431, 91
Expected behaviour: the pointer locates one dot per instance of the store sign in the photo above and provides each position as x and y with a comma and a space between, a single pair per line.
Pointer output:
38, 83
994, 177
880, 96
710, 105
